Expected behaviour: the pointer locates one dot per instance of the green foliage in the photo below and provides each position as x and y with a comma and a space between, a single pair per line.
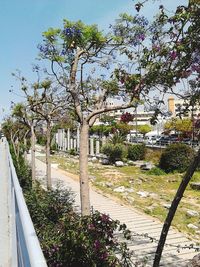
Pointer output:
117, 138
124, 128
144, 129
72, 152
136, 152
179, 125
73, 35
176, 157
112, 87
114, 152
54, 147
101, 129
41, 139
23, 170
156, 171
48, 207
105, 118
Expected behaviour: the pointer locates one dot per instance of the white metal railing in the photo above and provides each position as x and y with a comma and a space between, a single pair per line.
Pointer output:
26, 250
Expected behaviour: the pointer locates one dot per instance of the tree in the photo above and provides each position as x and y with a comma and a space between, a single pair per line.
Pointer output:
14, 132
179, 125
45, 100
71, 49
144, 129
122, 128
158, 63
19, 113
27, 121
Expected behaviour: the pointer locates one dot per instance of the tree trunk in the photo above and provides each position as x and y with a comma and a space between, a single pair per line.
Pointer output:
33, 154
179, 194
48, 159
83, 167
25, 146
25, 152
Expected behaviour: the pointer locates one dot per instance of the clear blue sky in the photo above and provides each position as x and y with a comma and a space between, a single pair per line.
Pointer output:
23, 21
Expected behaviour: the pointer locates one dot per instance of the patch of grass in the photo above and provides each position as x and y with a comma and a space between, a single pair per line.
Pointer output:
156, 171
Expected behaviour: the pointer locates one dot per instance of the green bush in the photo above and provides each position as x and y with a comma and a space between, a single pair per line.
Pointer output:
114, 152
136, 152
23, 170
41, 139
176, 157
72, 152
117, 138
156, 171
54, 147
48, 207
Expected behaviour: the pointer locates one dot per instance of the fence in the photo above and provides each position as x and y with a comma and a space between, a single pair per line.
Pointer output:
26, 250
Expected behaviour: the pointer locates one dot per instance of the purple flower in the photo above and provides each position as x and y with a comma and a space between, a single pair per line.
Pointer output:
141, 36
72, 32
97, 244
173, 55
195, 67
104, 256
105, 218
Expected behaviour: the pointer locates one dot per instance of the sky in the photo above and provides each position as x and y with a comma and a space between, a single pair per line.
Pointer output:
23, 21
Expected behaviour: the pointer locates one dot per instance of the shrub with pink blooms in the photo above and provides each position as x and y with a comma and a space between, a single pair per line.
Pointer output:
71, 240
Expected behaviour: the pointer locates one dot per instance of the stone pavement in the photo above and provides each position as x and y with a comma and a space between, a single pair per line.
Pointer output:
5, 257
139, 223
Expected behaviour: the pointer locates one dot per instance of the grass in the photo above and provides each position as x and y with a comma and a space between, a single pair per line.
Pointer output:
161, 188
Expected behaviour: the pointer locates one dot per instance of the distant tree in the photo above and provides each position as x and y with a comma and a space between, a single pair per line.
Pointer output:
13, 131
25, 116
46, 102
183, 126
108, 119
123, 128
144, 129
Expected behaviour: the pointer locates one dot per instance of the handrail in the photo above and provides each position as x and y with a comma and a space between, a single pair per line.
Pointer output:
25, 240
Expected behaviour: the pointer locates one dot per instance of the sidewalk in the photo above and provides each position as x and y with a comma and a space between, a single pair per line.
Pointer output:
5, 260
136, 221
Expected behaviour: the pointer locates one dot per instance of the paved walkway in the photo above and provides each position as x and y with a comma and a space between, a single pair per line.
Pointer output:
5, 259
136, 221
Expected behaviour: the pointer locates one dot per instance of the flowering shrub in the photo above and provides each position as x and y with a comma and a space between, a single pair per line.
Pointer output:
126, 117
88, 241
69, 240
